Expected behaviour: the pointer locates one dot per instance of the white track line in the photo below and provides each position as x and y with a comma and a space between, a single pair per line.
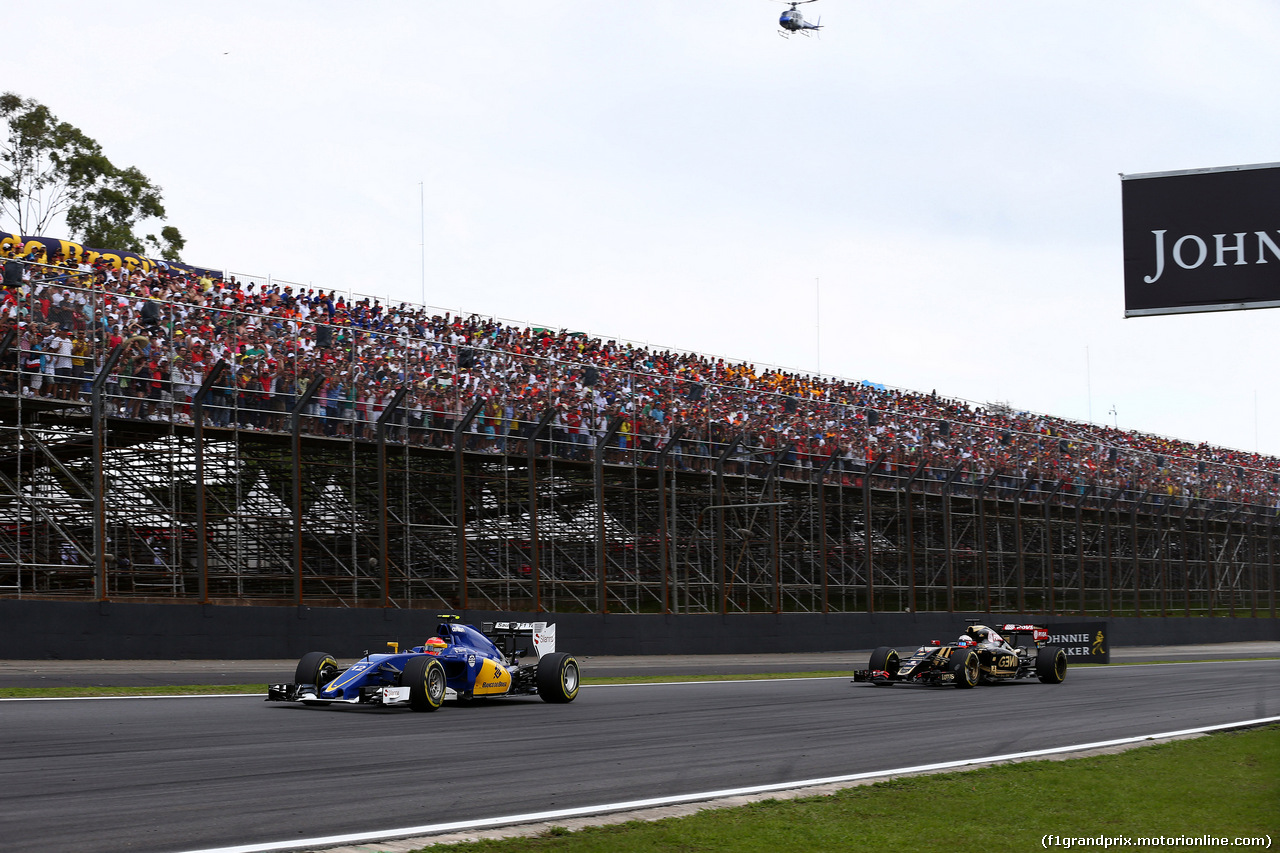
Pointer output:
631, 805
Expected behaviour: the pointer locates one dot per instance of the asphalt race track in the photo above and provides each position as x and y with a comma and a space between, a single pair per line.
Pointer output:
144, 673
172, 774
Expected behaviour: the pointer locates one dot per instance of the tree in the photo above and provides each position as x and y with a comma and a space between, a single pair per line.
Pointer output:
51, 169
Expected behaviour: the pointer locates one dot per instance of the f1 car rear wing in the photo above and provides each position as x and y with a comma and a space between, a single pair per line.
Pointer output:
505, 634
1038, 633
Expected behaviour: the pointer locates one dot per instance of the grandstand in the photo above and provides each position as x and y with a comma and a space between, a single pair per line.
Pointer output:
176, 434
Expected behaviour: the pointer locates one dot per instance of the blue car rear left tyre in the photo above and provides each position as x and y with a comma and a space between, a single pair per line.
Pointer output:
558, 678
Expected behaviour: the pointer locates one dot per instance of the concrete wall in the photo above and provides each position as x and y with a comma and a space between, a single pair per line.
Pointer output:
36, 630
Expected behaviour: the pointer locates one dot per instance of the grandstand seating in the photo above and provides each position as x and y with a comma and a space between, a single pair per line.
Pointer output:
337, 360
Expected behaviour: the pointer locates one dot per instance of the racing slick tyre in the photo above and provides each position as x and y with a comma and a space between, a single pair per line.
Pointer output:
885, 659
1051, 665
318, 668
964, 665
557, 678
424, 676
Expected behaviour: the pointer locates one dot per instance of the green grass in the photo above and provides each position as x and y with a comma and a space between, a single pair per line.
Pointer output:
744, 676
1174, 660
155, 690
1224, 785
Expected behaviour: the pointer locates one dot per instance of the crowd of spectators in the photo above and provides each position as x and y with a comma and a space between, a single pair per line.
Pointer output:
354, 353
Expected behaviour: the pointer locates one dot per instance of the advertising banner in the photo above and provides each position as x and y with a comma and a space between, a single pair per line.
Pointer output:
1084, 642
1201, 240
53, 247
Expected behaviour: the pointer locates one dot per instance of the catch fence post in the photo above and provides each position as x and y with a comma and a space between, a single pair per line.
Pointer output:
460, 500
202, 518
295, 427
535, 556
383, 539
99, 481
664, 540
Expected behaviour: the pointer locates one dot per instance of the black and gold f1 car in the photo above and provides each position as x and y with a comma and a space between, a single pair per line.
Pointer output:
1021, 652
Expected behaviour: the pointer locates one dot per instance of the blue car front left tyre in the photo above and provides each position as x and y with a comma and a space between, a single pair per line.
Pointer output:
424, 676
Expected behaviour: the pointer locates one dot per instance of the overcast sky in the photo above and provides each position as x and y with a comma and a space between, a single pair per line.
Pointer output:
926, 196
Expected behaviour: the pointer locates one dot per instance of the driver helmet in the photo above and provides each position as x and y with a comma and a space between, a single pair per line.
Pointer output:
978, 633
434, 646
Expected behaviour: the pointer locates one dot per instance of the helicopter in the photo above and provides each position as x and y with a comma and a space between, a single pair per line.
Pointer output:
793, 22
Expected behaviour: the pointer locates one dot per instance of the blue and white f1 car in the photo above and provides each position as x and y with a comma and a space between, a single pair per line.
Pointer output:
458, 658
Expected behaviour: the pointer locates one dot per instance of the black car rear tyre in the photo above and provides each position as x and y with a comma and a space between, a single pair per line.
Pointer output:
965, 667
885, 659
557, 678
1051, 664
424, 676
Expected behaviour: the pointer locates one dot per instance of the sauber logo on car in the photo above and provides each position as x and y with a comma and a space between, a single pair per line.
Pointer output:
544, 638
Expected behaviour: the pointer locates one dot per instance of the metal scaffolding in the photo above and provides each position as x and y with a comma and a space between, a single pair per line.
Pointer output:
460, 469
98, 506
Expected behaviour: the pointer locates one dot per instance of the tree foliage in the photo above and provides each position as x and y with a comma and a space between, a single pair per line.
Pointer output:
49, 169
